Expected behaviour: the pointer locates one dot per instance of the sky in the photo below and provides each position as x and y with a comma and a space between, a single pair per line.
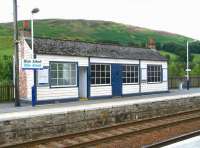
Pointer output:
176, 16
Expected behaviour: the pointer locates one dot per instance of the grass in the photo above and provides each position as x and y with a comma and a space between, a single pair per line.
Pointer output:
173, 57
89, 31
100, 32
196, 58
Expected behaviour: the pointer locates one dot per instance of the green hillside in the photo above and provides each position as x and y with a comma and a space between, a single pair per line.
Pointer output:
172, 46
90, 31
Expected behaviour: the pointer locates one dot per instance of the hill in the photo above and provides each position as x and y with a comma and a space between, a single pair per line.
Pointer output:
90, 31
172, 46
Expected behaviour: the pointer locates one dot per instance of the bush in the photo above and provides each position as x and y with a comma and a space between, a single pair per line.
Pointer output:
6, 68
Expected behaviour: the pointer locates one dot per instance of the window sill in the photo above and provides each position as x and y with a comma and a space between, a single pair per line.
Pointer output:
100, 85
130, 83
154, 82
67, 86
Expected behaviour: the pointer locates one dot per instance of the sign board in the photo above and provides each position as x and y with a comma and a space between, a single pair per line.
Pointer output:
43, 76
188, 70
32, 64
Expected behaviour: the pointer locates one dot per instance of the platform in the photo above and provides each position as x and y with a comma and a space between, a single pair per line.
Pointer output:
8, 111
189, 143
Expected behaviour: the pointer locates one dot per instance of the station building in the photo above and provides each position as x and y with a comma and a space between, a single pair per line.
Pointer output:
73, 70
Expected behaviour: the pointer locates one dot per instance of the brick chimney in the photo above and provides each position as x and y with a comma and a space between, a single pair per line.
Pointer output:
26, 30
151, 43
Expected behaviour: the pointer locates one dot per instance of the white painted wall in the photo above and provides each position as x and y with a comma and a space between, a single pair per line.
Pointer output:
130, 89
83, 82
46, 93
113, 61
82, 61
153, 87
100, 91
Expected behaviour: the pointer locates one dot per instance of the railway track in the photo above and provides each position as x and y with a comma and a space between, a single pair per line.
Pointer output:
98, 136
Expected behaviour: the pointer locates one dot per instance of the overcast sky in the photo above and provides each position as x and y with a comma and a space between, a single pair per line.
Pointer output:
177, 16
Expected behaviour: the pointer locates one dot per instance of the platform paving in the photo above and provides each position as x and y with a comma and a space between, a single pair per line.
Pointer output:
9, 111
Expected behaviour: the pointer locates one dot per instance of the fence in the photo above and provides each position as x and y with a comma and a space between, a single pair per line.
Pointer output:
6, 92
174, 82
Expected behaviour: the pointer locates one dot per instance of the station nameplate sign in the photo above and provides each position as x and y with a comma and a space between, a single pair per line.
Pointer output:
32, 64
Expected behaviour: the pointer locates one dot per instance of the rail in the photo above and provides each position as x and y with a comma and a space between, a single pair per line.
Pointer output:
97, 136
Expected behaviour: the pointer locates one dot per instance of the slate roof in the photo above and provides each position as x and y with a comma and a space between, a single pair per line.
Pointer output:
75, 48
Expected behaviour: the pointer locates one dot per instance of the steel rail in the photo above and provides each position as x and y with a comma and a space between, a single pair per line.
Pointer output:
109, 128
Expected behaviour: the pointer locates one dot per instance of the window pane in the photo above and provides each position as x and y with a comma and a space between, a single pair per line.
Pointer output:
53, 66
73, 67
124, 80
102, 67
97, 74
107, 67
103, 74
73, 73
132, 74
107, 74
132, 80
123, 68
128, 68
60, 74
92, 74
103, 80
73, 80
93, 67
53, 74
97, 67
107, 80
124, 74
97, 80
53, 81
60, 81
136, 80
60, 66
93, 81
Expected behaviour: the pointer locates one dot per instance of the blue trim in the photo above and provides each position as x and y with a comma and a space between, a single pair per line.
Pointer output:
116, 79
54, 101
34, 97
88, 79
78, 70
100, 97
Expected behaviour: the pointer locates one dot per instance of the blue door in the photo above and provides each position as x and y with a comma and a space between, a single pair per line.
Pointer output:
116, 79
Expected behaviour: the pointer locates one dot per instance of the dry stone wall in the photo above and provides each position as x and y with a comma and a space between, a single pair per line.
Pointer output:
28, 129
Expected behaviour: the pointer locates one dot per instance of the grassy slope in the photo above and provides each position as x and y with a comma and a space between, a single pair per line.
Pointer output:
6, 40
90, 31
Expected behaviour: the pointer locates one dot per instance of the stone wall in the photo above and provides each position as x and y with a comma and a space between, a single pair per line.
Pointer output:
24, 130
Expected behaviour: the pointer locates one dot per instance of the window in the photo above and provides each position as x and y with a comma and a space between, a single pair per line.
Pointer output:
100, 74
130, 74
154, 73
63, 74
